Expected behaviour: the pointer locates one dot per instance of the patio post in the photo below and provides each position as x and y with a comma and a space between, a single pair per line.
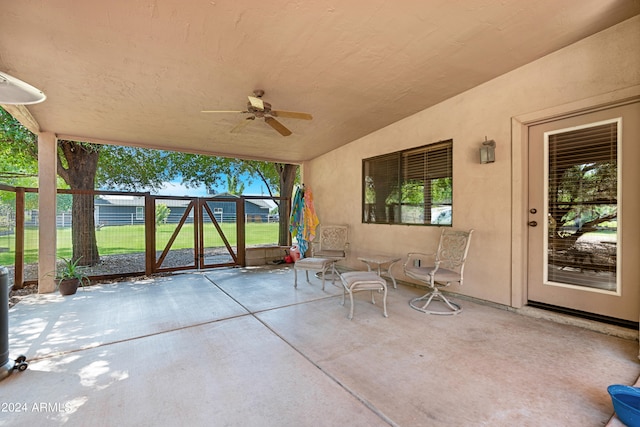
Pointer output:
47, 178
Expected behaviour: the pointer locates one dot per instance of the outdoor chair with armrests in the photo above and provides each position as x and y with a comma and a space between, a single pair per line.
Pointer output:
332, 242
439, 270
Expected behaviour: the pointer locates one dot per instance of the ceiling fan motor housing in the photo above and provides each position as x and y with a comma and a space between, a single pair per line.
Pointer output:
257, 111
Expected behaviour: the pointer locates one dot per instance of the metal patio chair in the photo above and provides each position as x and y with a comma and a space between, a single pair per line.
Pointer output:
439, 270
332, 242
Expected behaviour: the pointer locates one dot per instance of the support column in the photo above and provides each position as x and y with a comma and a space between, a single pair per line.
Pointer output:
47, 176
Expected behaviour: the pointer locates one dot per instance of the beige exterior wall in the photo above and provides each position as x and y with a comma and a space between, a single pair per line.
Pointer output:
486, 197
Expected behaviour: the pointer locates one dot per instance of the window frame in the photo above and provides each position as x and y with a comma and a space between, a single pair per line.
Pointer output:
395, 175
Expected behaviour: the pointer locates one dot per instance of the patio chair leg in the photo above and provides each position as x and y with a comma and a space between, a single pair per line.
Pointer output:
334, 273
351, 310
453, 306
384, 302
435, 294
426, 297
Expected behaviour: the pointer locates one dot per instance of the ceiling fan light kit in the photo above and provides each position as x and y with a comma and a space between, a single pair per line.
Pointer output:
14, 91
262, 110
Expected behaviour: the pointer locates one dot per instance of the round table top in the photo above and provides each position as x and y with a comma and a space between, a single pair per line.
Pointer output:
378, 259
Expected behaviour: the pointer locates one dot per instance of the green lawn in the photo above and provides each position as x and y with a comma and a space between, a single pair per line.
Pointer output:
125, 239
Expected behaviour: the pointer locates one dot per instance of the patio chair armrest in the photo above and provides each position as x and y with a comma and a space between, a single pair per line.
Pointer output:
412, 256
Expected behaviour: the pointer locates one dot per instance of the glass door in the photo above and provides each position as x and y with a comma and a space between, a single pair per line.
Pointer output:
582, 201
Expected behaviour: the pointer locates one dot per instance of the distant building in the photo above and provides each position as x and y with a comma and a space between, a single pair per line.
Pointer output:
129, 210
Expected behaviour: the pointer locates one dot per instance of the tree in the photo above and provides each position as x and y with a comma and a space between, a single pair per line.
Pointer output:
134, 169
279, 179
279, 176
15, 169
234, 186
77, 165
86, 166
287, 173
162, 213
581, 197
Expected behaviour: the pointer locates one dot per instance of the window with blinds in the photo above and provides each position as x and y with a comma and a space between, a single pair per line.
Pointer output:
583, 205
409, 187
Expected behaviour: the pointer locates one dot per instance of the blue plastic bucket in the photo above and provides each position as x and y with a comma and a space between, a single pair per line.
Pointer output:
626, 402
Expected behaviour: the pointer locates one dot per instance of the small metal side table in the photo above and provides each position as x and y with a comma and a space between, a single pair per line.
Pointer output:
378, 262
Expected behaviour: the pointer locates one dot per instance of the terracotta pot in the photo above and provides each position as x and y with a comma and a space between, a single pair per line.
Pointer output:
68, 286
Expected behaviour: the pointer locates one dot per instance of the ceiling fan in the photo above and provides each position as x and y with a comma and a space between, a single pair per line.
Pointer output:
262, 110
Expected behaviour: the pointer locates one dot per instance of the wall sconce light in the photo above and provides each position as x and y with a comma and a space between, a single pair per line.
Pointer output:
14, 91
488, 151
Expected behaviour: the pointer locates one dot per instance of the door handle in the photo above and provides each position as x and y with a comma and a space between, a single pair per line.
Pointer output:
532, 223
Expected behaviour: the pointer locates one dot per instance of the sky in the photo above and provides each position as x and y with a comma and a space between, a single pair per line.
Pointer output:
177, 189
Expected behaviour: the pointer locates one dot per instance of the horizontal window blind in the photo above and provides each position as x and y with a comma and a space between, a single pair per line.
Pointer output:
385, 170
397, 187
588, 145
430, 162
583, 165
582, 196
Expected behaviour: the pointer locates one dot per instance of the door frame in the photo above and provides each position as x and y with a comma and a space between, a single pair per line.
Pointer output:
520, 172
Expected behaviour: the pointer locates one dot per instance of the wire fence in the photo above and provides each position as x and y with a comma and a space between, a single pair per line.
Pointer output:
183, 230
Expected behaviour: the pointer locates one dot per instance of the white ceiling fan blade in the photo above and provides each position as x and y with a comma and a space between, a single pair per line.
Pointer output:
223, 111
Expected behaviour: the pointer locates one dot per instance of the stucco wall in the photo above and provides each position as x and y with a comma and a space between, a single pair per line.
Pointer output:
482, 194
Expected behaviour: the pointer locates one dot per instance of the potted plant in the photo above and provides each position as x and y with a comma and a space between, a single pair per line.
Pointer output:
69, 276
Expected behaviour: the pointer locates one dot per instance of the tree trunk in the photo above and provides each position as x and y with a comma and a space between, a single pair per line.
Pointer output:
287, 174
83, 230
82, 161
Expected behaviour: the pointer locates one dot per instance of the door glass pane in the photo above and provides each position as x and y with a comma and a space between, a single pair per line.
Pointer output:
582, 206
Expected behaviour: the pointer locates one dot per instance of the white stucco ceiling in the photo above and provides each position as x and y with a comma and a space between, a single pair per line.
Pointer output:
139, 72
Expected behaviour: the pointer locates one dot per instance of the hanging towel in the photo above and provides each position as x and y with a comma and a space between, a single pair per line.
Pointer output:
310, 218
296, 220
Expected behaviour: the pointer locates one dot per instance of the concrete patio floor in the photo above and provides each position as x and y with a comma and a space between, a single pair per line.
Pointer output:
242, 347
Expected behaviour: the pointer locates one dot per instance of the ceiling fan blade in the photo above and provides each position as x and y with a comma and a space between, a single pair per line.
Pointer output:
243, 124
223, 111
277, 126
256, 102
291, 114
